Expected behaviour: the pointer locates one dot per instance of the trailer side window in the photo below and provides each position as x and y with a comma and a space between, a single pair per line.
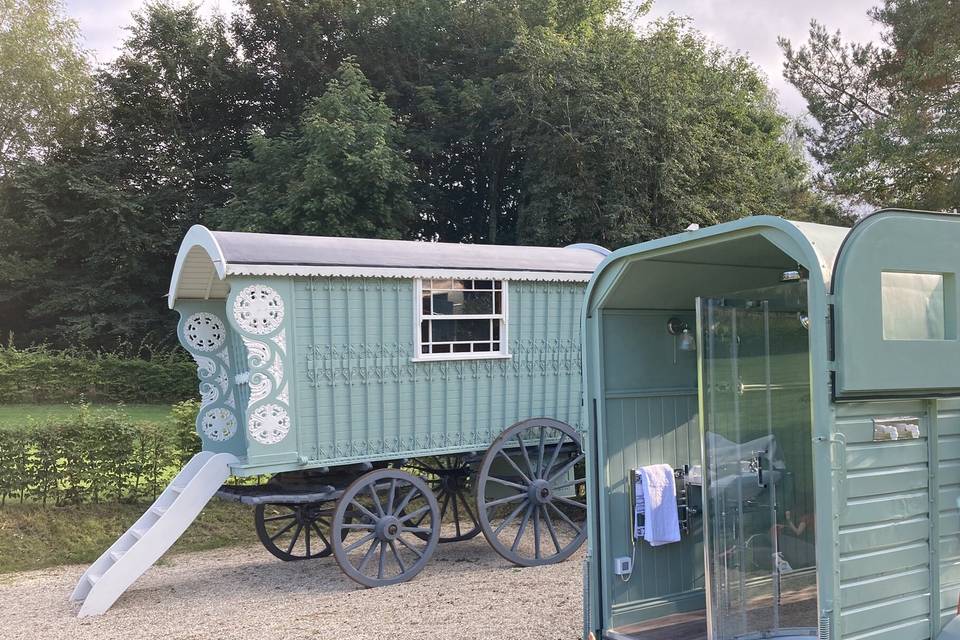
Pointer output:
462, 318
915, 305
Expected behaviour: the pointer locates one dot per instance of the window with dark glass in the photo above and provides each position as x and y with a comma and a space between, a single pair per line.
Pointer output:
461, 317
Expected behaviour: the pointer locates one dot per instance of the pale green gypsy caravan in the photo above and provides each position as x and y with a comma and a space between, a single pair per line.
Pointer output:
397, 394
802, 382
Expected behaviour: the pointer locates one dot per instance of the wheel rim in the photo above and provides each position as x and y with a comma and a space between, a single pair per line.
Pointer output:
375, 527
295, 531
451, 479
521, 502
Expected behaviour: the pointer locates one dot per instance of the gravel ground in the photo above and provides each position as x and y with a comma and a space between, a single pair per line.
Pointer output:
466, 592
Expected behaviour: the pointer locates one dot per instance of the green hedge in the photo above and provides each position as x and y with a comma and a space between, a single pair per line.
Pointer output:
40, 374
95, 458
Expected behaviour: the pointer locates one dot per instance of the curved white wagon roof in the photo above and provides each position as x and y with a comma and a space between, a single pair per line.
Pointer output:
206, 258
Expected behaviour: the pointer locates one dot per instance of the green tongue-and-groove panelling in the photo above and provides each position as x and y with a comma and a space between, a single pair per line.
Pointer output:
887, 588
359, 395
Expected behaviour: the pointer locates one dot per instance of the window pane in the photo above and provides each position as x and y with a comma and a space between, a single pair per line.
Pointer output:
461, 330
441, 284
425, 331
441, 348
496, 329
461, 348
913, 306
462, 303
496, 301
481, 346
483, 284
426, 302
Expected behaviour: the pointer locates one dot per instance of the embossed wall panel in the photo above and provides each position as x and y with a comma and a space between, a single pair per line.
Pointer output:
360, 395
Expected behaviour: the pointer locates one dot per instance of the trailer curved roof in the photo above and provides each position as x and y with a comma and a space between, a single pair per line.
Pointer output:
206, 258
730, 244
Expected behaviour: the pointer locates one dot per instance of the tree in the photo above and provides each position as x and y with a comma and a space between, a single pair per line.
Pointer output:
627, 137
44, 78
77, 265
888, 114
88, 234
437, 62
338, 172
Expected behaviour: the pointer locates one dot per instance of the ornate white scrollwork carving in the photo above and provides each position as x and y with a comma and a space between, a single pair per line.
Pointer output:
281, 340
204, 332
258, 353
223, 380
206, 367
269, 424
276, 370
208, 394
258, 309
283, 396
260, 387
219, 424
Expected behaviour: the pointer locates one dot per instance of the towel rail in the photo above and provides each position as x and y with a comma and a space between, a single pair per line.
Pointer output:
685, 511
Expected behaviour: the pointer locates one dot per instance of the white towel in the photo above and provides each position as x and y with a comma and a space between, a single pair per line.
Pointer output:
662, 523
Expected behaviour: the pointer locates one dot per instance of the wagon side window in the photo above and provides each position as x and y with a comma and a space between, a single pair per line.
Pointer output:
462, 318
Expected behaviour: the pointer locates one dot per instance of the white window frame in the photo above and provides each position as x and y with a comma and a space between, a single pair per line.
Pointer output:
419, 317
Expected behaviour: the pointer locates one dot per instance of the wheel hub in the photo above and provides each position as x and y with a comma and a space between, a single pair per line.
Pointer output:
540, 492
388, 528
452, 482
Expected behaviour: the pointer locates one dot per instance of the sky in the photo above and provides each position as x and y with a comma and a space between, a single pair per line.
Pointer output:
750, 27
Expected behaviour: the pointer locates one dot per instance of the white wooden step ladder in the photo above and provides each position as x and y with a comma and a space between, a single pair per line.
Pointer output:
150, 536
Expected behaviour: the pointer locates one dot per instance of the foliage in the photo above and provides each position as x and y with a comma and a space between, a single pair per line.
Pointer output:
40, 374
629, 137
437, 62
44, 78
340, 171
94, 458
888, 115
543, 121
37, 536
87, 237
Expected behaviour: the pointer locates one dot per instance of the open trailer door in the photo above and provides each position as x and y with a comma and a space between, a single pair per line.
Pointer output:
896, 307
897, 382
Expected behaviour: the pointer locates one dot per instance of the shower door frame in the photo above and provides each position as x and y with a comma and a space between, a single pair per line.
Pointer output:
701, 311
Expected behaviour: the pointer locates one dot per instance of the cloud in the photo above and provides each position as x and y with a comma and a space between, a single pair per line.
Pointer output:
748, 26
752, 27
104, 24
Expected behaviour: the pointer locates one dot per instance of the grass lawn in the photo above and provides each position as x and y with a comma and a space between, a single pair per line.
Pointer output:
33, 536
14, 415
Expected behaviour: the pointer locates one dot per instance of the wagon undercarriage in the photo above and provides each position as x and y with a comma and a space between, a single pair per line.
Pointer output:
382, 521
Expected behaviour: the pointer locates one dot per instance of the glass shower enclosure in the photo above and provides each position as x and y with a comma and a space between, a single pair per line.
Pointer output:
753, 365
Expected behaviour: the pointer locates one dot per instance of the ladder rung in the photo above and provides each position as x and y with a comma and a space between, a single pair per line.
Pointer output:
138, 533
116, 555
158, 510
176, 489
93, 577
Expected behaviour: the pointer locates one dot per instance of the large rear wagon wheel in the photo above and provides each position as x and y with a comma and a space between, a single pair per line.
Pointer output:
527, 493
377, 527
295, 531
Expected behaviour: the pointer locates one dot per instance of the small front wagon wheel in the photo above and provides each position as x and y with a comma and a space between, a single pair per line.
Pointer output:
527, 492
385, 527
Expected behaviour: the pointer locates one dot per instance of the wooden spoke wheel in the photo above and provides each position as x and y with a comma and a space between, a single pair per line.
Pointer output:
378, 524
295, 531
451, 480
527, 493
